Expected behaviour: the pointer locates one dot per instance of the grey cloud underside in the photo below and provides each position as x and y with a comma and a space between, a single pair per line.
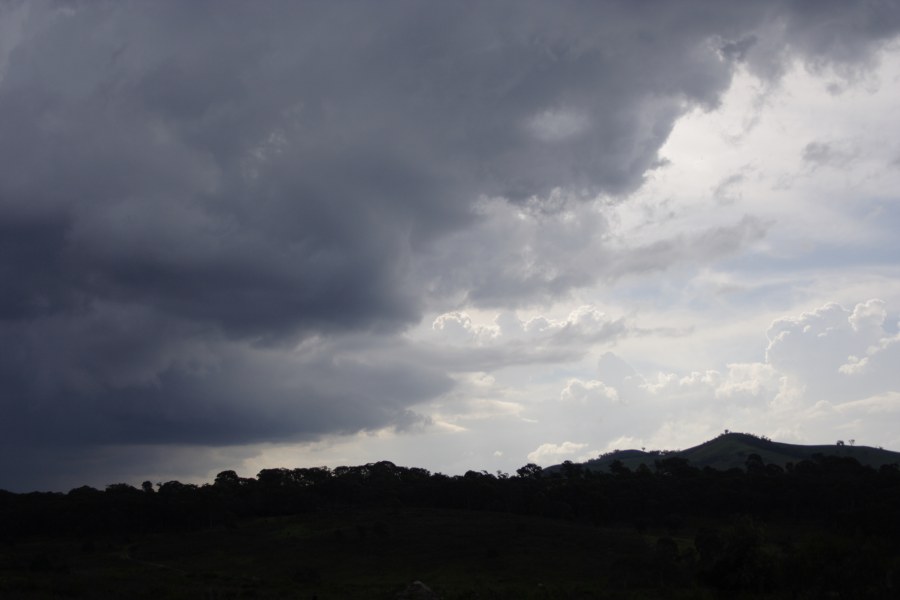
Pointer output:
278, 170
187, 187
218, 395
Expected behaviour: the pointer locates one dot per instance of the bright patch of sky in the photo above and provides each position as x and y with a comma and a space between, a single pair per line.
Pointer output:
813, 157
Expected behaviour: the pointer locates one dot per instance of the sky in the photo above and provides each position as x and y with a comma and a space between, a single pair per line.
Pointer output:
458, 235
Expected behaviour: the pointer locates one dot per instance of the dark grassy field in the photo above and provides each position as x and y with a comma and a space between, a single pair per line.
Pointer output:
360, 554
376, 553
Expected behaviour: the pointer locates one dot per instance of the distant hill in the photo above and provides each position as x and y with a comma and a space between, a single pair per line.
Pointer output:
730, 450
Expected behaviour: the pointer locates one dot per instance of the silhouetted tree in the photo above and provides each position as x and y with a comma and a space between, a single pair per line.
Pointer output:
529, 471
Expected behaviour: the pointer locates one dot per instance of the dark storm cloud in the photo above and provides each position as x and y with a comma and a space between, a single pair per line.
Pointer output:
832, 31
218, 394
189, 189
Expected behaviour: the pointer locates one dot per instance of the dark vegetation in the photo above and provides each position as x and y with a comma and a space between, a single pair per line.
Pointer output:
826, 526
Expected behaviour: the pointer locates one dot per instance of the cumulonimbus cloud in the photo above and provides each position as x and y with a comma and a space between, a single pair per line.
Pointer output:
189, 204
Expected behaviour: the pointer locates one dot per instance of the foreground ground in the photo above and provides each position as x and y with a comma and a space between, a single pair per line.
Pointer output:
376, 553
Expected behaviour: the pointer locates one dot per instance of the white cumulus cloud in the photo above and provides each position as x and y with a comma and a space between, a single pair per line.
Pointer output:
549, 453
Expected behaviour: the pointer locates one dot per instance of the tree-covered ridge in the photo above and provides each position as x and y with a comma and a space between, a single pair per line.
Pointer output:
730, 450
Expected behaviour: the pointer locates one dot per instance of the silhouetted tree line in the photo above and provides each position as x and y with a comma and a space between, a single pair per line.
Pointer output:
823, 526
836, 491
